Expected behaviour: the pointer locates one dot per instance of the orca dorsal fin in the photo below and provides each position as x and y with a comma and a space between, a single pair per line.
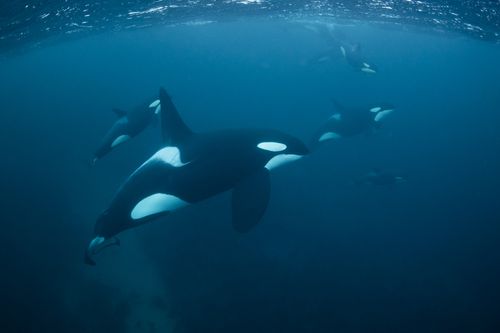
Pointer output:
119, 112
173, 128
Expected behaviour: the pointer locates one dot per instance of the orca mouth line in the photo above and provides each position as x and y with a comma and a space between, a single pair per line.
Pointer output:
97, 245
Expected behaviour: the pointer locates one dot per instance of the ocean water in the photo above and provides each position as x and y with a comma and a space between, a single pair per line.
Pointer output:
328, 255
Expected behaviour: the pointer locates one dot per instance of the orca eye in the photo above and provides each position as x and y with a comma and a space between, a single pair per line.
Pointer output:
272, 146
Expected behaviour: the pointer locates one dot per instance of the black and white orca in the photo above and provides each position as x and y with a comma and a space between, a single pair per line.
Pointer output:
346, 122
353, 56
377, 177
192, 167
128, 125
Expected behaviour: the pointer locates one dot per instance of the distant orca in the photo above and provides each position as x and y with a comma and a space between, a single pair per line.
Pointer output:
351, 121
193, 167
128, 125
354, 58
337, 40
380, 178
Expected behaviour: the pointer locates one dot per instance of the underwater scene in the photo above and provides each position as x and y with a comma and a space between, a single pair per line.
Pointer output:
250, 166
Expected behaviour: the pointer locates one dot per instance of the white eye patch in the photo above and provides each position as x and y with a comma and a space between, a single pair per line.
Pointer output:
272, 146
382, 115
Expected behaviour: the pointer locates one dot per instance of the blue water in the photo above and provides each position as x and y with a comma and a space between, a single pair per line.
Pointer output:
328, 256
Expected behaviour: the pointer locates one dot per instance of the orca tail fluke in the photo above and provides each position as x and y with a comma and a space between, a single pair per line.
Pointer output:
93, 161
173, 128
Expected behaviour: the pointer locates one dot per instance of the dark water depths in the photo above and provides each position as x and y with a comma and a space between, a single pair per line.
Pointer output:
328, 256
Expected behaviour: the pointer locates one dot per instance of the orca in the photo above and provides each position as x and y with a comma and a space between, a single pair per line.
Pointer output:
128, 125
192, 167
352, 54
332, 36
347, 122
377, 177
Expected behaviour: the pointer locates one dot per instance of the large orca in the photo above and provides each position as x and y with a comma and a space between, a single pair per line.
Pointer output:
192, 167
346, 122
128, 125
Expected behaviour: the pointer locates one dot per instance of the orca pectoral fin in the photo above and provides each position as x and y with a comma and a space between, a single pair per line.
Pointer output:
249, 200
119, 112
321, 57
